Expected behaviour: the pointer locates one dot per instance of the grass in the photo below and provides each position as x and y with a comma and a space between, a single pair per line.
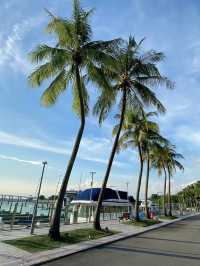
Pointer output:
43, 242
168, 217
143, 223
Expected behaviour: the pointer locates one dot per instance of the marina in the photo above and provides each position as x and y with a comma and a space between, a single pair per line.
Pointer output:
18, 210
77, 208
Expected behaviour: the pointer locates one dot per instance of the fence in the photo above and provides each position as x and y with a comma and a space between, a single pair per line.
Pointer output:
17, 212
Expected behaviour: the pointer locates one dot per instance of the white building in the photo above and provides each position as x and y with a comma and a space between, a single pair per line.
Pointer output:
115, 204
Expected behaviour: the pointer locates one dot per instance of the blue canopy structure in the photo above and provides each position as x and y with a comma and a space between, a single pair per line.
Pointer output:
93, 194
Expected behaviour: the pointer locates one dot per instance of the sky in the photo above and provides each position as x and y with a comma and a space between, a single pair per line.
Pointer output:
31, 133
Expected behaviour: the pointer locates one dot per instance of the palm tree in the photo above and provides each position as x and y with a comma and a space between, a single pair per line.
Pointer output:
71, 62
152, 139
160, 156
140, 132
172, 164
131, 72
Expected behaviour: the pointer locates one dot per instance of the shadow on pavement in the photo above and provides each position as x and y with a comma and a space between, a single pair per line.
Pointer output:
153, 252
169, 240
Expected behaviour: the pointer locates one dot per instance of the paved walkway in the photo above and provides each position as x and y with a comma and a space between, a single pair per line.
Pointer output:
9, 255
12, 256
177, 244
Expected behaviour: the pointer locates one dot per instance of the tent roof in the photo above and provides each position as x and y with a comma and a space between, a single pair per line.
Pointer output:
93, 193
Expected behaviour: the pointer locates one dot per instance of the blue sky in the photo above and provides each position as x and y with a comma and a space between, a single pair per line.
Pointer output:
30, 133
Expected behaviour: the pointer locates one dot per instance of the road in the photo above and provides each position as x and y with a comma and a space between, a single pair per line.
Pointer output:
175, 245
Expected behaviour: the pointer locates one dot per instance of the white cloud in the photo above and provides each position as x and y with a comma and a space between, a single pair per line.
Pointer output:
94, 150
189, 135
175, 111
188, 184
5, 157
10, 52
11, 139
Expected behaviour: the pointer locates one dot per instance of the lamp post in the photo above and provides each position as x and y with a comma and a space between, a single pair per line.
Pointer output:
92, 180
36, 204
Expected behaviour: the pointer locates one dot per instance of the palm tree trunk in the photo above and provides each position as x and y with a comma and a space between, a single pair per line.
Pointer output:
137, 205
164, 194
54, 232
96, 224
147, 186
169, 195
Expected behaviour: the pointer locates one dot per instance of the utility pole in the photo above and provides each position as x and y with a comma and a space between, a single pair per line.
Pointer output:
36, 204
92, 181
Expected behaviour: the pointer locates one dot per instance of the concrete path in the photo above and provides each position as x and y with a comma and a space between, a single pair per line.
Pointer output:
11, 256
177, 244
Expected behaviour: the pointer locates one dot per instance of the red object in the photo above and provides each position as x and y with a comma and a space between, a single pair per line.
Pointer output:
126, 215
152, 215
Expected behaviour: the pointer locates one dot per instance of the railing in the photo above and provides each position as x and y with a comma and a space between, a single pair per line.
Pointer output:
18, 215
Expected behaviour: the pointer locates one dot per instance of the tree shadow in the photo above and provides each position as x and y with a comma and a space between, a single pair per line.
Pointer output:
170, 240
153, 252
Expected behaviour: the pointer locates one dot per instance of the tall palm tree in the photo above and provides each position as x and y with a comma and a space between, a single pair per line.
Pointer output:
71, 63
172, 164
132, 74
152, 139
160, 156
140, 132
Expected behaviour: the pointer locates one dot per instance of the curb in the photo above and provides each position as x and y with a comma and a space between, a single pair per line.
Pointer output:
51, 255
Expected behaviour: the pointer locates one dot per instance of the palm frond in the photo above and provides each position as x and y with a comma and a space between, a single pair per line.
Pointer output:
42, 73
134, 103
45, 53
64, 30
97, 75
156, 81
152, 57
58, 86
104, 104
82, 29
148, 97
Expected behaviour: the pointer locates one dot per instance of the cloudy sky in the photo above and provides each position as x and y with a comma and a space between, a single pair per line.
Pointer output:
30, 133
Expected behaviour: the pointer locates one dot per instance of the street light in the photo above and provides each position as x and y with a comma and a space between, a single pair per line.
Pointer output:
36, 204
92, 180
